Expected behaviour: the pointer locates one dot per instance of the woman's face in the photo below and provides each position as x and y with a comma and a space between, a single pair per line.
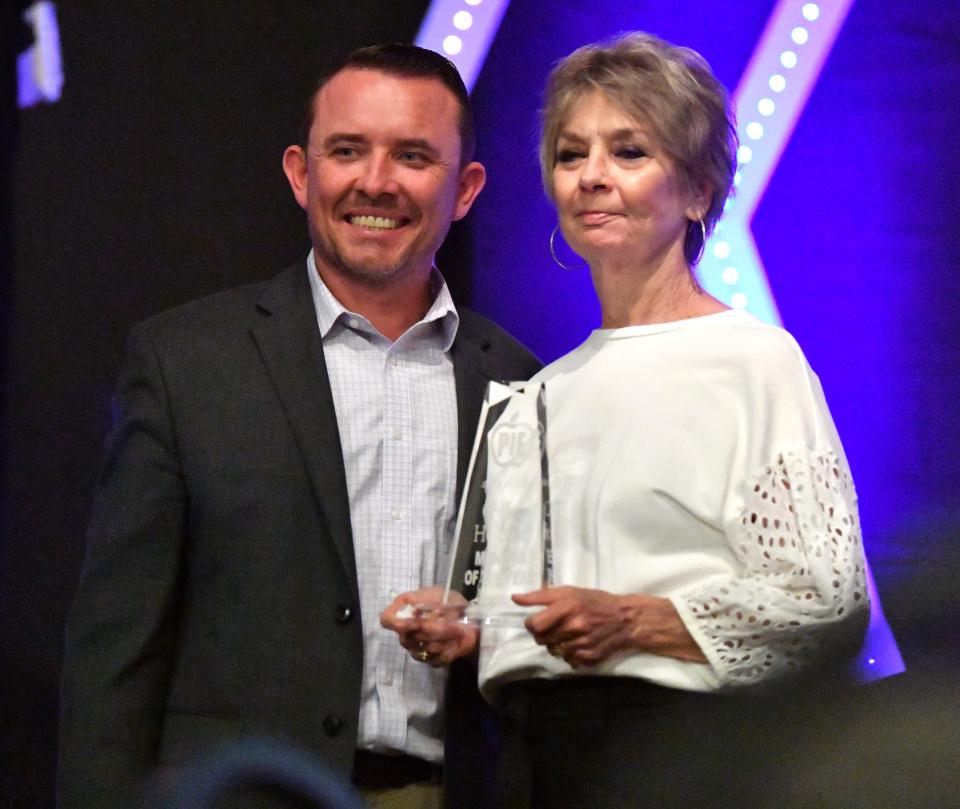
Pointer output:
617, 193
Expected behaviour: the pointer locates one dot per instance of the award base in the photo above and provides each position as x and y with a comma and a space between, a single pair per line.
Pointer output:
474, 614
514, 617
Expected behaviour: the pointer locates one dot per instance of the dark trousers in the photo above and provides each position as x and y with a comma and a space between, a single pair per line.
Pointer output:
610, 742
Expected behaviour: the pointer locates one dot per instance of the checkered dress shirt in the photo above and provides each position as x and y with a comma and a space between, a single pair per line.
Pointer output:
397, 415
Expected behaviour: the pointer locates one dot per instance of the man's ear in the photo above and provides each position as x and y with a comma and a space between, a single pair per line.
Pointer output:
295, 167
473, 177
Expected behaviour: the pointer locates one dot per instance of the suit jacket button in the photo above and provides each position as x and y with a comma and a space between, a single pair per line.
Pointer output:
344, 613
332, 725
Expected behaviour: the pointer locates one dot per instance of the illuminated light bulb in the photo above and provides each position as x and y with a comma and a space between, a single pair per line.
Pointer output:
744, 154
799, 35
474, 2
730, 275
872, 660
810, 11
721, 249
777, 83
452, 44
788, 59
754, 130
766, 106
737, 177
463, 20
738, 300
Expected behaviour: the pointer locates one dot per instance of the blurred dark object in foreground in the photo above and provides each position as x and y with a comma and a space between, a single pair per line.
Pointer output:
252, 773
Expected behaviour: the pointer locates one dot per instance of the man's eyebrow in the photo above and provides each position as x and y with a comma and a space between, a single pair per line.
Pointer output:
420, 144
343, 137
417, 143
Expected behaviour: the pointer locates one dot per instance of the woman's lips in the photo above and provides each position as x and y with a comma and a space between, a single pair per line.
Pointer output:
596, 217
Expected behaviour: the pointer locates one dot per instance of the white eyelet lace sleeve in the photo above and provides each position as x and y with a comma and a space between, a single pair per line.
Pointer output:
799, 541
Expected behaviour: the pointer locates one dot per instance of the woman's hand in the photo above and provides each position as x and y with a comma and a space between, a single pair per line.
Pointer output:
429, 629
585, 627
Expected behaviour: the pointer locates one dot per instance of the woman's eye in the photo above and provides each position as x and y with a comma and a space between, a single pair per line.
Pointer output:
630, 153
568, 155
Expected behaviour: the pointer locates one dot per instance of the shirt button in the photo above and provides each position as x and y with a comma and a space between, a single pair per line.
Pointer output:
388, 681
392, 593
395, 514
343, 613
397, 435
394, 361
354, 323
332, 725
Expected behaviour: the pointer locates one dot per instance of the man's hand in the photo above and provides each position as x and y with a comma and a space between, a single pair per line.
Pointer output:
585, 627
429, 629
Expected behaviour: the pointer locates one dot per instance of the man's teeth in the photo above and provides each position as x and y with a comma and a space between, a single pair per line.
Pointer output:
379, 222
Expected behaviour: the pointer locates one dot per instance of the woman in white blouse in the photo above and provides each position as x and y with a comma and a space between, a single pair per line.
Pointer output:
690, 448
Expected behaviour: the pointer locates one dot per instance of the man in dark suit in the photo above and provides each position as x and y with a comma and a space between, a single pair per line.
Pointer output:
285, 458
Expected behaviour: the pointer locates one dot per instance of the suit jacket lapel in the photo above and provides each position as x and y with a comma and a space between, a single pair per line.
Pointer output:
286, 333
472, 373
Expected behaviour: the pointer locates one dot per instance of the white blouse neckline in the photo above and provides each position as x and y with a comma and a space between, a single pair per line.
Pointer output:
642, 330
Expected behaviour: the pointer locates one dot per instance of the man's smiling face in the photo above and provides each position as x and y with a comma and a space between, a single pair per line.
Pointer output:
381, 178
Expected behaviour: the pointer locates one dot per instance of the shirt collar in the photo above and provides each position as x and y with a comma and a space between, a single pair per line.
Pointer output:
330, 311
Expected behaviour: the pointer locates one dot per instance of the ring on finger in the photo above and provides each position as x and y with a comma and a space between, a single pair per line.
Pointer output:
422, 654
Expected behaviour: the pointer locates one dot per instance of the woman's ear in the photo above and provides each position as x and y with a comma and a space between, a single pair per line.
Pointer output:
700, 200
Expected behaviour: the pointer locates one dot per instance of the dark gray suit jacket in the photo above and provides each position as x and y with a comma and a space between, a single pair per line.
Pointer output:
219, 593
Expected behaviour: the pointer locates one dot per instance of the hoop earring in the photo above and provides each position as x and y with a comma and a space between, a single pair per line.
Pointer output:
703, 241
553, 252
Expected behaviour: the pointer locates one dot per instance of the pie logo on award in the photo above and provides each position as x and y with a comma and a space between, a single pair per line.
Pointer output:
509, 441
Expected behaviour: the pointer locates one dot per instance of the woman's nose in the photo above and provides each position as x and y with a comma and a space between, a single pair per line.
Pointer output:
593, 175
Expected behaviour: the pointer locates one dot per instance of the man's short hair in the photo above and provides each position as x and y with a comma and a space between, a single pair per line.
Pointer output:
408, 61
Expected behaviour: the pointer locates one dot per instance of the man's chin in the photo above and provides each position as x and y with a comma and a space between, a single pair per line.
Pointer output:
373, 269
374, 273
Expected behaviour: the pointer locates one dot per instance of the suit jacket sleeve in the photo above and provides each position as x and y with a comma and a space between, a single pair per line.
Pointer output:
120, 632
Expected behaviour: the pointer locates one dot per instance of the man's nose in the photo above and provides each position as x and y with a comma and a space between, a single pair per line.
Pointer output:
377, 176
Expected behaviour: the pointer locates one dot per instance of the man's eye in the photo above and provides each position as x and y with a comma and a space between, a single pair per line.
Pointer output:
344, 151
568, 155
412, 157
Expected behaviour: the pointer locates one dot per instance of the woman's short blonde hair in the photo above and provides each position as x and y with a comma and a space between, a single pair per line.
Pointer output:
669, 89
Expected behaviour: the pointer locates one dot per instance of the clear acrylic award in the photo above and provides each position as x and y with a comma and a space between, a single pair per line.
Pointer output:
502, 541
